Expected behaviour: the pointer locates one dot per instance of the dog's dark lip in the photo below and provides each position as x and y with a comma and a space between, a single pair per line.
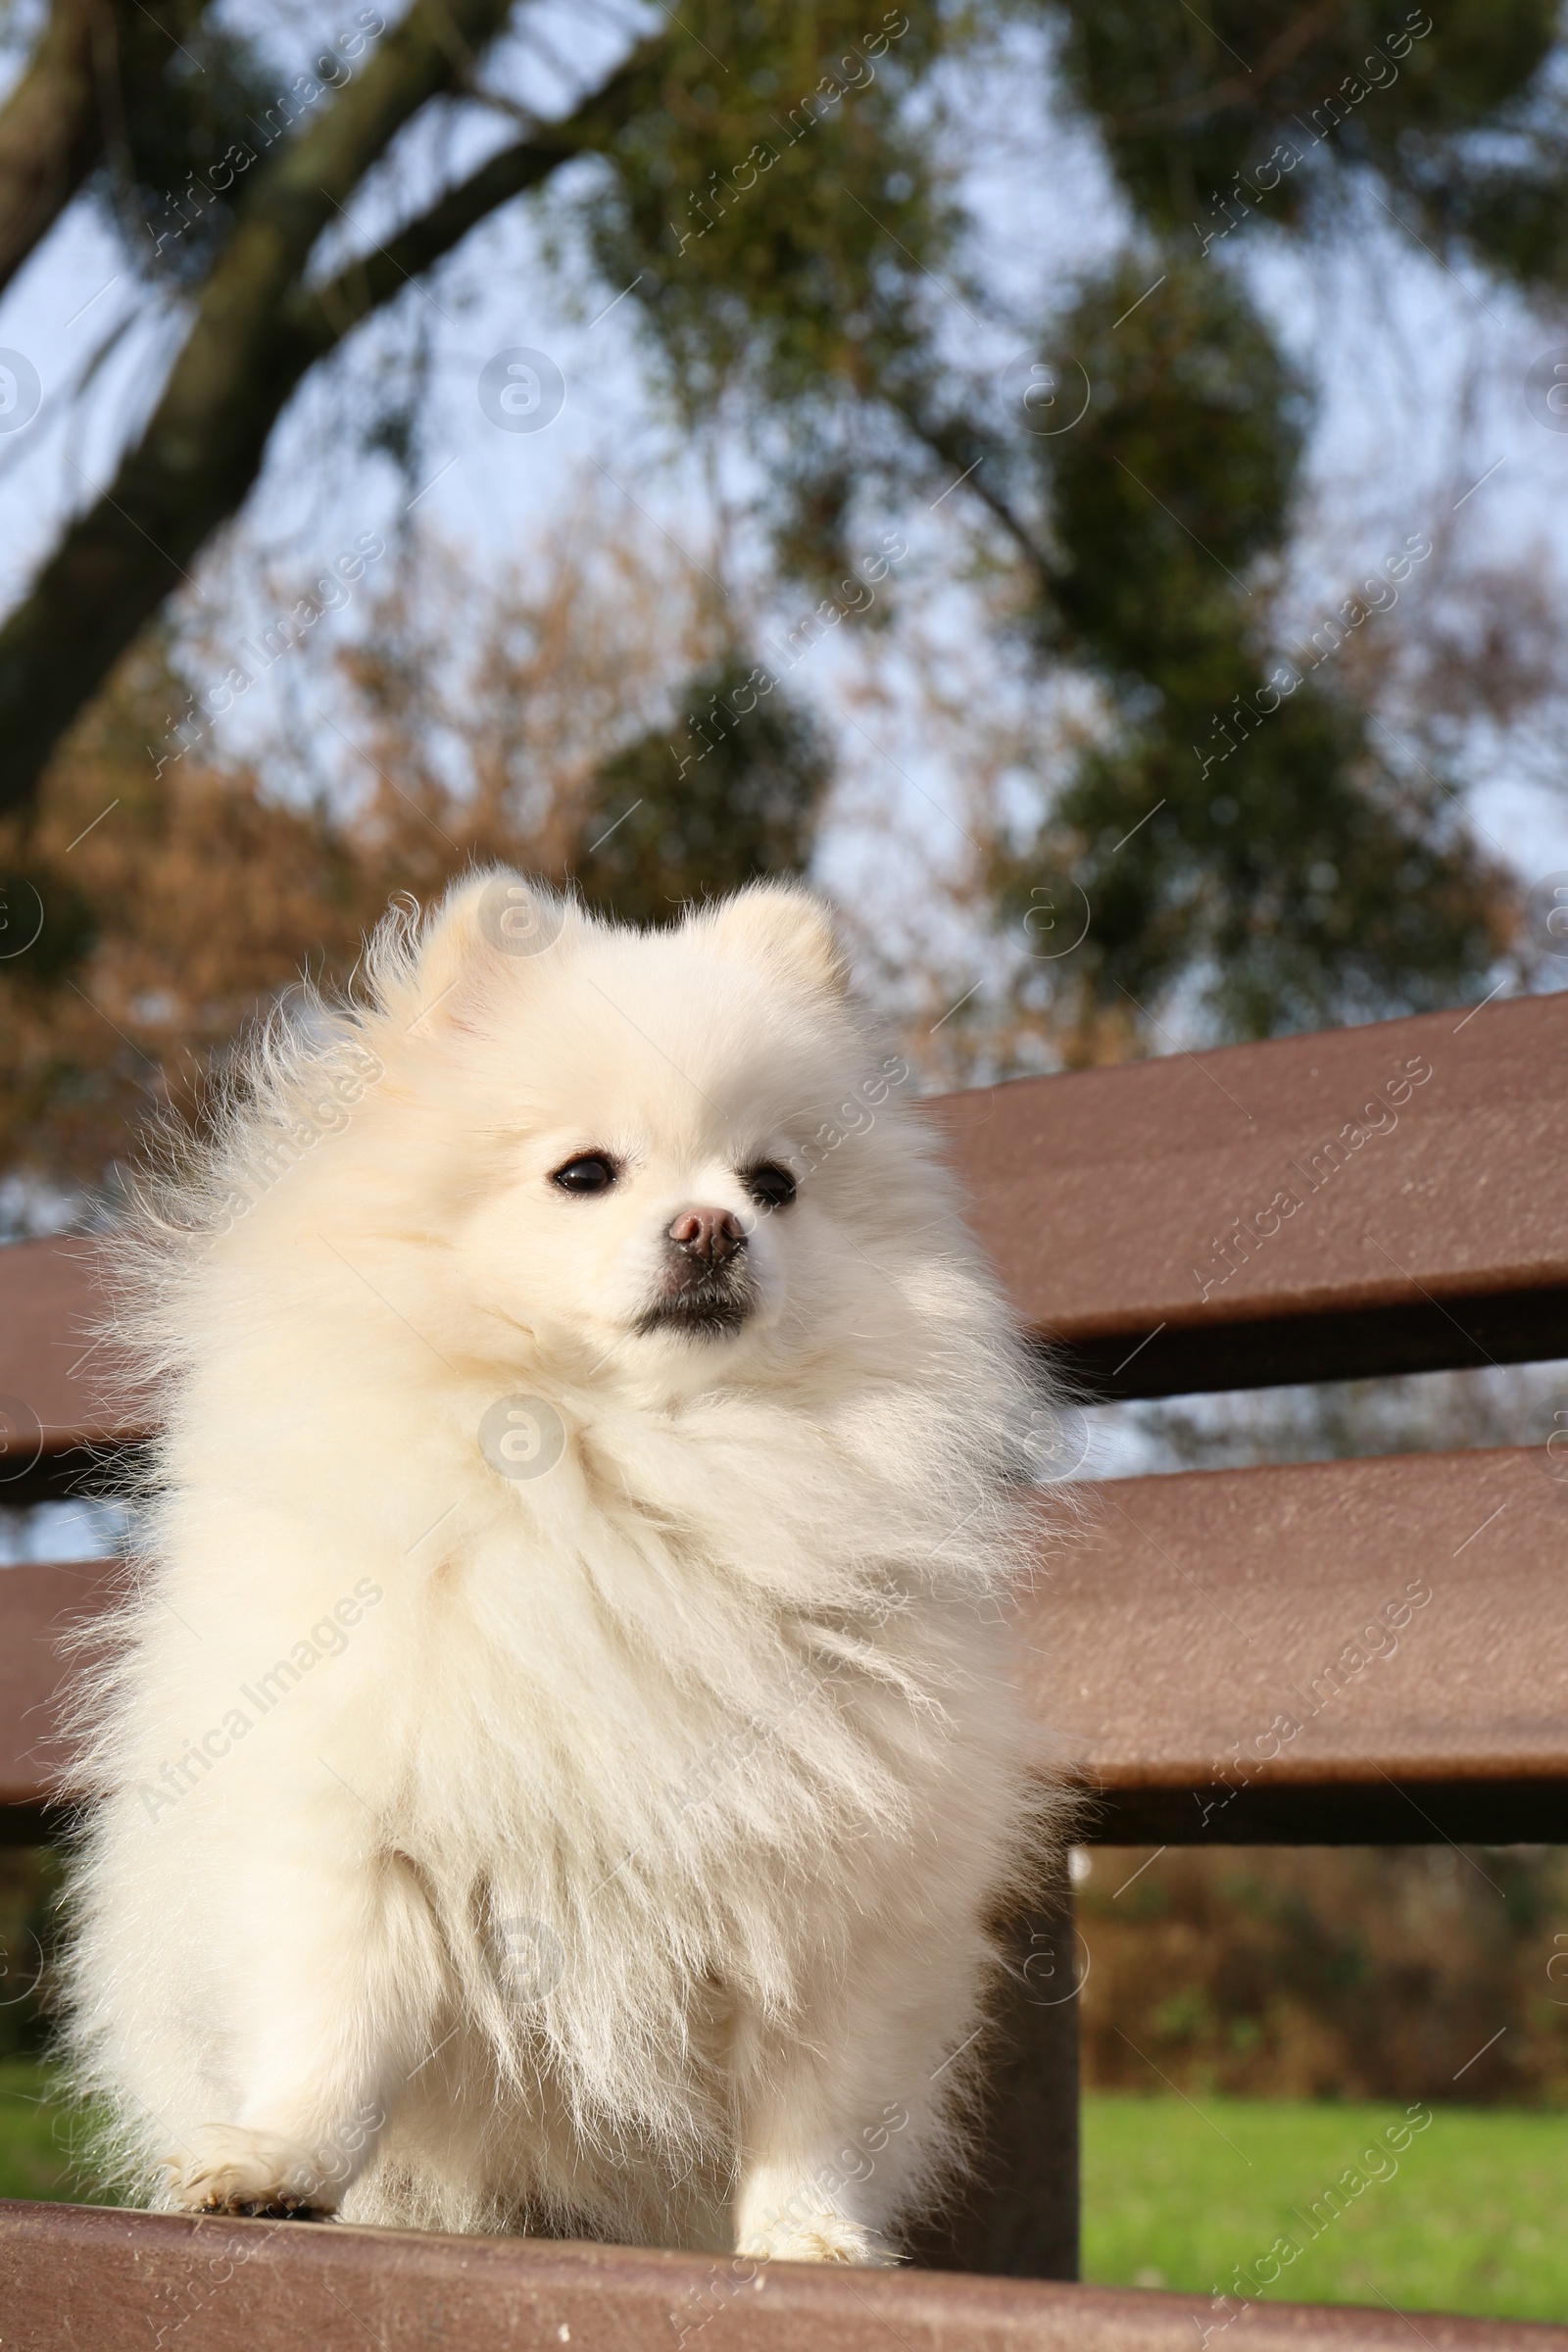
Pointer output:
708, 1309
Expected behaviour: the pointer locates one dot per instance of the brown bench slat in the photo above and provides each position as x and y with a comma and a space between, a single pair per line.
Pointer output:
1194, 1611
1442, 1241
72, 2276
38, 1605
52, 1371
1201, 1608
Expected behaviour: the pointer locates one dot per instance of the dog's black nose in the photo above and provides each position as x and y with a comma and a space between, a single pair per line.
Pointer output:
710, 1236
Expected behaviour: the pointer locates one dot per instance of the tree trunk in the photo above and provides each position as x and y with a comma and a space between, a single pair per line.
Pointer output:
255, 333
51, 127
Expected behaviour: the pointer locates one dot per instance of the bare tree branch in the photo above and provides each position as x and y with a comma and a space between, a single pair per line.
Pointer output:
963, 446
1242, 89
323, 314
255, 332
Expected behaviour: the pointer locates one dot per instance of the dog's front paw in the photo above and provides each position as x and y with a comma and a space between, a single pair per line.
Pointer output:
818, 2237
222, 2168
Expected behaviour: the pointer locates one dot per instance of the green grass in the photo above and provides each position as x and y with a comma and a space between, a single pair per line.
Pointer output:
1184, 2196
1473, 2220
36, 2133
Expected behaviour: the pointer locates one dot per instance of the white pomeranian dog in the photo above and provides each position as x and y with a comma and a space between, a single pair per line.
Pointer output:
560, 1767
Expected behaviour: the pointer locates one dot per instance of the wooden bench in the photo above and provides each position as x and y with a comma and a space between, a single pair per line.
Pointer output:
1388, 1198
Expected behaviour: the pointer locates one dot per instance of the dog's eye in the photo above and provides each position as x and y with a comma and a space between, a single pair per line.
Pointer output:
593, 1173
770, 1186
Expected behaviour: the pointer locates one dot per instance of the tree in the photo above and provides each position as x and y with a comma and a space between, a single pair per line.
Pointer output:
667, 821
149, 94
768, 199
259, 322
1238, 815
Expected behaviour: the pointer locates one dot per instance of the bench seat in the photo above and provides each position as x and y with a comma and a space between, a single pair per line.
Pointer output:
78, 2276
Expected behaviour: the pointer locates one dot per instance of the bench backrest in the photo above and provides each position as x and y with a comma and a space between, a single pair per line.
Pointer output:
1374, 1200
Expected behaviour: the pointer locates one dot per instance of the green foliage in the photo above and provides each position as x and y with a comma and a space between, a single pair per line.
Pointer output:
1312, 883
730, 796
775, 242
1197, 107
1353, 1973
769, 204
30, 1878
188, 91
1177, 479
1237, 819
777, 211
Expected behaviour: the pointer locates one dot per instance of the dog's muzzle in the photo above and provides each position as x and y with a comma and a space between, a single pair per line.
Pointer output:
707, 1289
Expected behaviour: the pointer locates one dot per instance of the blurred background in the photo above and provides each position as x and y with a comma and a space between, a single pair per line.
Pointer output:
1085, 483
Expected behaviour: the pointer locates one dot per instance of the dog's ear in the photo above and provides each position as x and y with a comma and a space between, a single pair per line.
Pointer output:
781, 928
476, 941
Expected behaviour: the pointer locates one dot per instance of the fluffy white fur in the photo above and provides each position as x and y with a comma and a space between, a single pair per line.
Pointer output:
624, 1865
